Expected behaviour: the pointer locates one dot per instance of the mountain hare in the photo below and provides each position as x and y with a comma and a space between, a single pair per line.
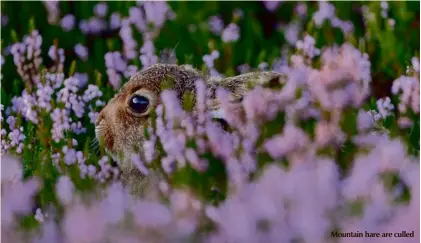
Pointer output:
120, 124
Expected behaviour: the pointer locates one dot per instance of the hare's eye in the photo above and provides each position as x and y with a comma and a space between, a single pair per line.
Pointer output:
139, 104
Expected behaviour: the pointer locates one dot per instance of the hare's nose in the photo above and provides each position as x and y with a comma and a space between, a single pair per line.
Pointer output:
99, 118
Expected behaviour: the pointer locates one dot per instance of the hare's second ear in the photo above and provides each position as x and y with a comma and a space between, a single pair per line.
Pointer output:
250, 80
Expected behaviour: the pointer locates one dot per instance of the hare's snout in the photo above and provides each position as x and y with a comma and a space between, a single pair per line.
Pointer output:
103, 131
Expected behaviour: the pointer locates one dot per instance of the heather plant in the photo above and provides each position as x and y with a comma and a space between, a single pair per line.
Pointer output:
332, 145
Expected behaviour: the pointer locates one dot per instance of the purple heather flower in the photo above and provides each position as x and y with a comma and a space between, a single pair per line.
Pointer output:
68, 22
139, 164
326, 11
209, 59
156, 13
130, 71
271, 5
93, 25
57, 55
291, 139
147, 58
44, 94
115, 21
53, 11
84, 223
291, 33
231, 33
384, 106
364, 120
408, 88
61, 123
308, 46
27, 57
114, 60
301, 9
39, 216
216, 25
151, 214
11, 120
129, 44
101, 9
91, 93
81, 51
137, 18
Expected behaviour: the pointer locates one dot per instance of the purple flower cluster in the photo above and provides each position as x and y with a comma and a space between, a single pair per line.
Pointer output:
327, 12
27, 57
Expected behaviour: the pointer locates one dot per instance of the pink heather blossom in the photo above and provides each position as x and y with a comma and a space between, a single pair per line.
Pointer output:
209, 59
151, 214
415, 64
216, 25
81, 51
64, 189
11, 169
44, 94
364, 120
231, 33
52, 10
139, 164
116, 203
25, 105
291, 33
156, 13
408, 89
100, 9
137, 18
384, 106
326, 11
17, 194
308, 46
272, 5
91, 93
278, 146
115, 65
115, 21
39, 216
68, 22
56, 80
92, 25
61, 123
301, 9
84, 224
29, 50
129, 44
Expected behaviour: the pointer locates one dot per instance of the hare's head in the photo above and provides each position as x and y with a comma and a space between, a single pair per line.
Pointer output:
120, 125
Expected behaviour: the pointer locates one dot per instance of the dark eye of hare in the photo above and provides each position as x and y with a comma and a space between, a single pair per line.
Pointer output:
139, 103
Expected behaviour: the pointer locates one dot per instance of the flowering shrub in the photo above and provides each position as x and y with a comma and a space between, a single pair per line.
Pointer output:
331, 146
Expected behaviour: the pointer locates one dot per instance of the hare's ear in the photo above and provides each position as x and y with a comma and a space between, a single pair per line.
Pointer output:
267, 79
239, 84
